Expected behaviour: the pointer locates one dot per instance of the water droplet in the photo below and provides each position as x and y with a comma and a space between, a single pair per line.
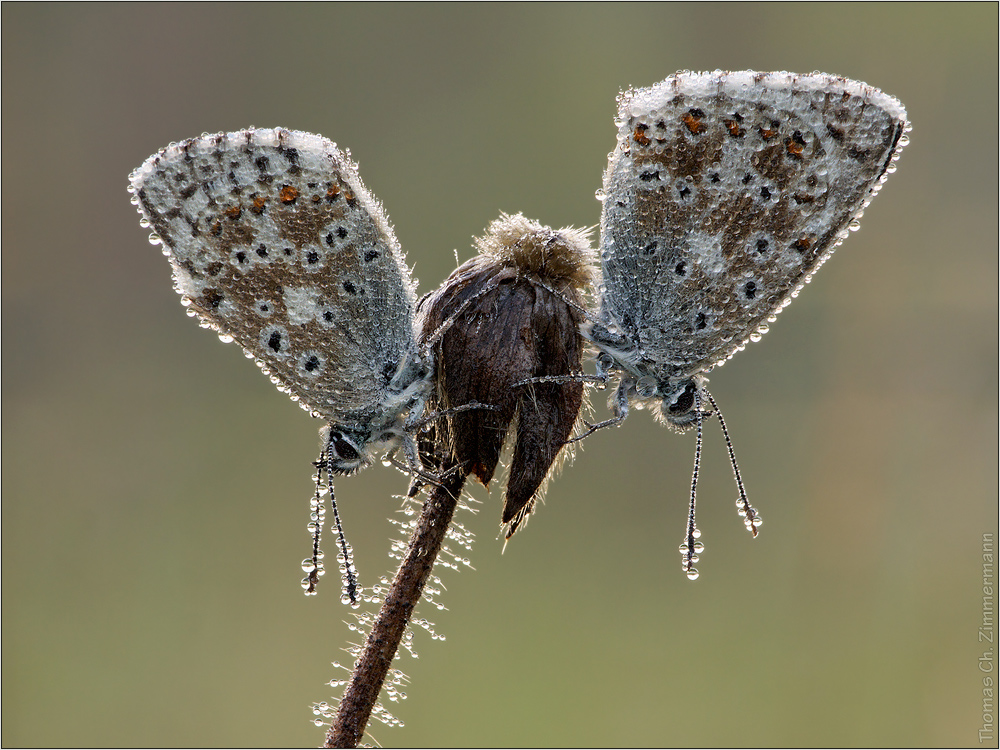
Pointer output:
646, 387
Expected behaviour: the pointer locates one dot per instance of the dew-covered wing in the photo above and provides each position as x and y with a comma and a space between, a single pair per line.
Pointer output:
725, 192
275, 242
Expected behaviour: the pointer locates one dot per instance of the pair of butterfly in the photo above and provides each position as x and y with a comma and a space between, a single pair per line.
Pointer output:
725, 193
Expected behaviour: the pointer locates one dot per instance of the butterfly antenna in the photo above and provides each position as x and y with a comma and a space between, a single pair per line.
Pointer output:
691, 547
751, 518
313, 566
350, 590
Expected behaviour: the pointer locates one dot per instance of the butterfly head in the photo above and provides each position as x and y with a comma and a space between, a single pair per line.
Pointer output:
353, 444
673, 401
679, 406
345, 451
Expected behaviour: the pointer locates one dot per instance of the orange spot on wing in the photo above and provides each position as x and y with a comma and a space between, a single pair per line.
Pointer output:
694, 124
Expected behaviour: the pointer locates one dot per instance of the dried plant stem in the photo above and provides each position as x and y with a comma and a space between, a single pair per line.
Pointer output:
382, 643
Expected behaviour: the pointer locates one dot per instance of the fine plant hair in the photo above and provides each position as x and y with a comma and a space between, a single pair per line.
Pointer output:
382, 642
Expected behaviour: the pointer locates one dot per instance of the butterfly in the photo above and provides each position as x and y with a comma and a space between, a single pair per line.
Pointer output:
724, 195
276, 244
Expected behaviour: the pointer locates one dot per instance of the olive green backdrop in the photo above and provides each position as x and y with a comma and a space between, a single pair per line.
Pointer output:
156, 486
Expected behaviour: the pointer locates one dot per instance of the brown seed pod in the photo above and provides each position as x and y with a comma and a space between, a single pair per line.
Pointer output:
511, 314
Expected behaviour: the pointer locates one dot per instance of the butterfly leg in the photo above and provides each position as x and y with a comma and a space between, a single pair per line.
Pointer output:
573, 377
412, 466
619, 408
434, 415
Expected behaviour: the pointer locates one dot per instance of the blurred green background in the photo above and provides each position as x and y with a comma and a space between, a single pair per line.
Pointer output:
156, 486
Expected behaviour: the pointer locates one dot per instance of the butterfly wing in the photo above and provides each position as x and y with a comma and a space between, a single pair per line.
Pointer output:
275, 242
724, 195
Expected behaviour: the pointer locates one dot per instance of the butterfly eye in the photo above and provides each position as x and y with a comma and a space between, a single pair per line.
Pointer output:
343, 449
682, 400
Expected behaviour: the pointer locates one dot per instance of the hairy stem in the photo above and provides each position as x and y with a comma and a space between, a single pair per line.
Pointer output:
382, 643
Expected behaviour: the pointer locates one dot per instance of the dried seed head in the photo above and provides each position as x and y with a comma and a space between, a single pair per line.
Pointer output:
512, 314
560, 258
